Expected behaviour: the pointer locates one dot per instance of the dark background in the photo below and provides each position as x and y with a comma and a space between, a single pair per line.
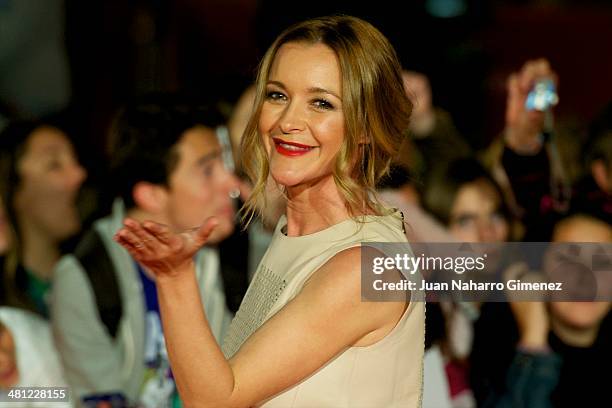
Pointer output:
118, 49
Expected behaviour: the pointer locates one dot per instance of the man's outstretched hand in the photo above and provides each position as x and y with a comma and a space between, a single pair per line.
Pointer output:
159, 249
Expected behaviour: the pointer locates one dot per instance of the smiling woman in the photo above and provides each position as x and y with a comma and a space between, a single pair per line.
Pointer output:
329, 115
301, 116
339, 76
40, 177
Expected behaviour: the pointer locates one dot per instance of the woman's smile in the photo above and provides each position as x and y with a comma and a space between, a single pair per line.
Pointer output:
291, 149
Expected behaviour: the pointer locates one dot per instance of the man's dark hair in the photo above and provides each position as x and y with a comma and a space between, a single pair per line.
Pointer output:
144, 138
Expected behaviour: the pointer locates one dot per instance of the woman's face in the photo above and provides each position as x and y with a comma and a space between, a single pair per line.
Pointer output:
9, 374
50, 177
475, 215
581, 315
302, 121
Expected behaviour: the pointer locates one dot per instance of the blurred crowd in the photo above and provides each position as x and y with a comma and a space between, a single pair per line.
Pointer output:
77, 311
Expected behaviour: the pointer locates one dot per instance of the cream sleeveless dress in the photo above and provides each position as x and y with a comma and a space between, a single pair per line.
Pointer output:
388, 373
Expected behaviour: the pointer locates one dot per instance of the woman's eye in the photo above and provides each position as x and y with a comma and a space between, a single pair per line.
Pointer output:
323, 104
275, 96
463, 221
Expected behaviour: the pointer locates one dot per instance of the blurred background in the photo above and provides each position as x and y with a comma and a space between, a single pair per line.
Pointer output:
74, 64
89, 57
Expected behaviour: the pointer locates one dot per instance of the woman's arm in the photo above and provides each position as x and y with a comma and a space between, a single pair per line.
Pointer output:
324, 319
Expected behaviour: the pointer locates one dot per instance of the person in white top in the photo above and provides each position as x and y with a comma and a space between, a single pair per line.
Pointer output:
28, 357
330, 112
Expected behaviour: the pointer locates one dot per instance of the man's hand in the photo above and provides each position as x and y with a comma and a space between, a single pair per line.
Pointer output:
163, 252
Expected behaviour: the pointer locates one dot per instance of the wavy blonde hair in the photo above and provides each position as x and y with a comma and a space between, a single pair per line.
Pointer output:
374, 105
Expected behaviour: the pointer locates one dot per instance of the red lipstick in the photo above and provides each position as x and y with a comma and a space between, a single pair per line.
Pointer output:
291, 148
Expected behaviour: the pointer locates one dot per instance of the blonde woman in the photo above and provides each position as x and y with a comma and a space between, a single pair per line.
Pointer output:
329, 114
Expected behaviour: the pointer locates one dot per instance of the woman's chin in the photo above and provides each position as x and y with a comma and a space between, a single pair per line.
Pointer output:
287, 179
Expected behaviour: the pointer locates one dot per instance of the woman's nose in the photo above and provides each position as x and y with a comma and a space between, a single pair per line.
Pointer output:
486, 231
76, 176
292, 120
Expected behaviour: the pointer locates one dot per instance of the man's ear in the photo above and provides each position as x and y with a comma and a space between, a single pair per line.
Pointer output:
150, 197
601, 175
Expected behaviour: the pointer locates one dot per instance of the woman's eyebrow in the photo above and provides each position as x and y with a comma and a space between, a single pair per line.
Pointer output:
317, 89
53, 148
277, 83
313, 89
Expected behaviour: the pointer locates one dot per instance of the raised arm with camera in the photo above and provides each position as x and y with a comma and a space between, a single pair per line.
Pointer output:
526, 160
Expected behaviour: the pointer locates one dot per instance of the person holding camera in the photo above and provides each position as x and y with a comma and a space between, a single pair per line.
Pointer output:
526, 161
